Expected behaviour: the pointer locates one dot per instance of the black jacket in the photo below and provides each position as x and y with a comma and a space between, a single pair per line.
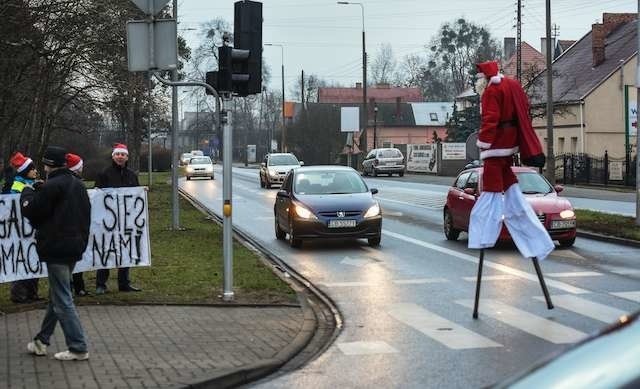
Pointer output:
115, 176
60, 212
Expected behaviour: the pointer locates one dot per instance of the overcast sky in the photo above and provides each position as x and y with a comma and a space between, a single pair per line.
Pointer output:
324, 38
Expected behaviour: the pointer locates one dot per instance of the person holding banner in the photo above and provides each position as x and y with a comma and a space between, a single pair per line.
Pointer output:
75, 164
60, 212
117, 175
23, 291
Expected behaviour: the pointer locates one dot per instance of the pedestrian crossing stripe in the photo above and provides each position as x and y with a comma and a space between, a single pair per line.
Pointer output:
633, 296
584, 307
366, 348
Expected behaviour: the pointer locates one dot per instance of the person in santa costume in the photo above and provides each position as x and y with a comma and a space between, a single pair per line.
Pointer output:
505, 130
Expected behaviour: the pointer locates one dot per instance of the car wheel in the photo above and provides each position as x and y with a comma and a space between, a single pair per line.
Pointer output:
212, 178
567, 242
401, 174
280, 234
374, 242
449, 231
293, 241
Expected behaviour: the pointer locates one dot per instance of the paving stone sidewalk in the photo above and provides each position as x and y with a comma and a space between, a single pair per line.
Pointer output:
155, 346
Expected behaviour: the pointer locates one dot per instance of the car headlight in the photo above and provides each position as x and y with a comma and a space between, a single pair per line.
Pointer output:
273, 173
567, 214
189, 169
374, 210
304, 213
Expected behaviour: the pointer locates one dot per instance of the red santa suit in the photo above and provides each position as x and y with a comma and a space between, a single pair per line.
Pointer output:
501, 198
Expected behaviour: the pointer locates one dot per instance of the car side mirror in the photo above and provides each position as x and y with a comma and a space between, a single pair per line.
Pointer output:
470, 191
263, 164
282, 193
301, 163
373, 191
558, 188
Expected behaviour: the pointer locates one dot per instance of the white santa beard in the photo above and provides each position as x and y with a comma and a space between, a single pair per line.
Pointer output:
481, 85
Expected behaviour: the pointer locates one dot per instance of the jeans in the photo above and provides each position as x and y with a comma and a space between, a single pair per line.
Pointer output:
62, 309
102, 275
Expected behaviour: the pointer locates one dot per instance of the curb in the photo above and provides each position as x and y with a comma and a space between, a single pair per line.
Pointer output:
608, 238
304, 289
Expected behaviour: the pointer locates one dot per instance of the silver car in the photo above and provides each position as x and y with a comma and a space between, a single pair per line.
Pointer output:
199, 167
384, 161
275, 166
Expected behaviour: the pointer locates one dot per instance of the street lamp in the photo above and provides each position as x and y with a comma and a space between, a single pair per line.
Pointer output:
375, 126
283, 146
363, 144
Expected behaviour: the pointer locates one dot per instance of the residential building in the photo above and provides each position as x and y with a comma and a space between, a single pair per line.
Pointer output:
381, 93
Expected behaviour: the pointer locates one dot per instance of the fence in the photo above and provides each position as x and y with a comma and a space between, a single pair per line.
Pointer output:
586, 169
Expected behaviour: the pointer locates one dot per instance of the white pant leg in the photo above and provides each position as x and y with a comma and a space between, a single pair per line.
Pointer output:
529, 235
485, 222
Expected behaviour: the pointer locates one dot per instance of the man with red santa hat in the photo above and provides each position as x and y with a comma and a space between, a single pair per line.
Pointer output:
505, 130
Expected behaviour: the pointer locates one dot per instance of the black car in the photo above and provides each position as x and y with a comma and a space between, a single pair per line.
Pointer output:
326, 202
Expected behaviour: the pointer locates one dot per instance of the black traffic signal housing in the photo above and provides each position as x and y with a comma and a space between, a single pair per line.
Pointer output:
240, 68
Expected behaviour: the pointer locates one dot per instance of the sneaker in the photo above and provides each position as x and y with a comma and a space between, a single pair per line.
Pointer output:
101, 290
37, 348
71, 356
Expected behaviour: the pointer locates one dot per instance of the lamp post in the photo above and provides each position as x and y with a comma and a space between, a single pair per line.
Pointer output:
375, 126
363, 144
283, 146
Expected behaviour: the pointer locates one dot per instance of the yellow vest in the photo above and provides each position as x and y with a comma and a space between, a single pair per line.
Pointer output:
17, 186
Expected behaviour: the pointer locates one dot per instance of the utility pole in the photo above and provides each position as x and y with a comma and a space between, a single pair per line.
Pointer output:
175, 214
551, 163
519, 42
302, 89
637, 126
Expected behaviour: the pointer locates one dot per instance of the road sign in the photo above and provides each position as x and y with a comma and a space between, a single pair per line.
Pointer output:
165, 49
144, 5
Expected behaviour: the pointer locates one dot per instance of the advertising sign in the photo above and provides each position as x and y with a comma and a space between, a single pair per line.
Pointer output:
422, 158
454, 151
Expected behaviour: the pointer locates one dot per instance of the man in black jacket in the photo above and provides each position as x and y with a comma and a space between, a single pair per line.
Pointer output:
116, 176
60, 212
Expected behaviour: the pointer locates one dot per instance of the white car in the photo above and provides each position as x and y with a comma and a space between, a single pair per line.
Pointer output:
275, 166
199, 167
184, 158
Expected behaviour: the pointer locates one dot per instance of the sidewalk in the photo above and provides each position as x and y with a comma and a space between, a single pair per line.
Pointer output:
158, 346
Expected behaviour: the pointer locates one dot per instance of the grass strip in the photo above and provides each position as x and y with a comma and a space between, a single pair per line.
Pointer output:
608, 224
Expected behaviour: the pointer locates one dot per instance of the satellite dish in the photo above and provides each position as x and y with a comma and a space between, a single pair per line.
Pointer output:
473, 152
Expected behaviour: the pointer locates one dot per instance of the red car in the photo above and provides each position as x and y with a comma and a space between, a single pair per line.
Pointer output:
555, 212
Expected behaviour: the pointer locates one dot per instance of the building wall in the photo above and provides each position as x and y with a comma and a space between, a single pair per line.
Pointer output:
404, 135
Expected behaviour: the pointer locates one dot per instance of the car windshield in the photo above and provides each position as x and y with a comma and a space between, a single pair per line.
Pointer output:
200, 161
533, 183
329, 182
391, 153
283, 160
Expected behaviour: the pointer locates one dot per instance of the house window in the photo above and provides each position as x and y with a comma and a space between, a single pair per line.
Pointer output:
574, 144
433, 116
561, 145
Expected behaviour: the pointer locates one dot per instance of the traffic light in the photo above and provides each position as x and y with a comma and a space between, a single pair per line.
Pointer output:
240, 67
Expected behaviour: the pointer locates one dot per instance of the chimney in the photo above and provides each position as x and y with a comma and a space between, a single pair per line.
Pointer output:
600, 31
509, 47
543, 46
358, 85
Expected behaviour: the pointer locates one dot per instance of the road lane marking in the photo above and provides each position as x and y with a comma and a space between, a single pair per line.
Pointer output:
601, 312
527, 322
497, 266
633, 296
574, 274
498, 277
443, 331
419, 281
625, 271
357, 262
366, 348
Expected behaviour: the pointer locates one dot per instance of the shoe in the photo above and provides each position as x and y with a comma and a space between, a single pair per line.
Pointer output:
130, 288
82, 293
71, 356
37, 348
101, 290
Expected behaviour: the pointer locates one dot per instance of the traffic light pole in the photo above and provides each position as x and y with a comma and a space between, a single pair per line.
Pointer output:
227, 226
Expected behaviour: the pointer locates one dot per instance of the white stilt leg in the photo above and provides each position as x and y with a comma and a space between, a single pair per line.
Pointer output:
485, 222
529, 235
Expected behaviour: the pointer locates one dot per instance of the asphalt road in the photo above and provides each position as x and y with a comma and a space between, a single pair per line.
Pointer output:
407, 305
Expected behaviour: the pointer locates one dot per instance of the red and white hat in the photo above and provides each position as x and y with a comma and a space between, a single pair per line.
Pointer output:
20, 162
490, 70
119, 148
74, 162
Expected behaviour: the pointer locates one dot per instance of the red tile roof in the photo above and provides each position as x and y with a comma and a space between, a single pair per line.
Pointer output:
380, 95
530, 57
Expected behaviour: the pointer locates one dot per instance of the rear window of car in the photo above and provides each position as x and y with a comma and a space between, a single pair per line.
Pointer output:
390, 153
462, 180
200, 161
321, 182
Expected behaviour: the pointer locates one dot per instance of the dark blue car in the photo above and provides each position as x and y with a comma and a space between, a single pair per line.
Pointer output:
326, 202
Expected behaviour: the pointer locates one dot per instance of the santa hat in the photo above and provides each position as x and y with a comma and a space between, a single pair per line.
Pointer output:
489, 70
74, 162
20, 162
119, 148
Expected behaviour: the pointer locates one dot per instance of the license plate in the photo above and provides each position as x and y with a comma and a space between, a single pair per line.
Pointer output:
562, 224
335, 223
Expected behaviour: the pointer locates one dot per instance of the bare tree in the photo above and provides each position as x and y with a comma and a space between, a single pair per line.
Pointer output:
383, 66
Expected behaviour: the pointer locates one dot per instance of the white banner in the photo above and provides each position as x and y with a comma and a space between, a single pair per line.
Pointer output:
454, 151
119, 235
422, 158
349, 119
